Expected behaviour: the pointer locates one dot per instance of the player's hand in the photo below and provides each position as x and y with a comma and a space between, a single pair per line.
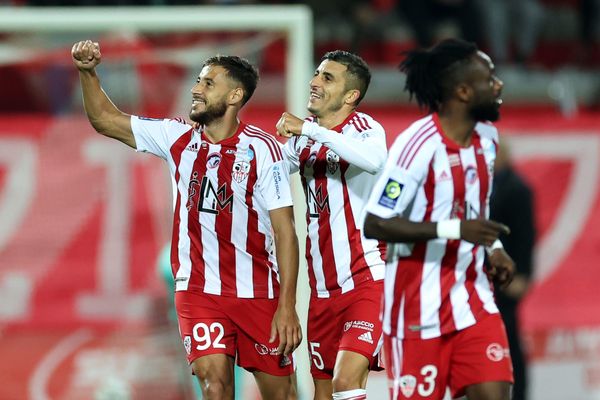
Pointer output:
286, 327
86, 55
289, 125
482, 231
501, 268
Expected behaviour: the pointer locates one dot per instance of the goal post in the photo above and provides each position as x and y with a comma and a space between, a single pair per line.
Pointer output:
294, 20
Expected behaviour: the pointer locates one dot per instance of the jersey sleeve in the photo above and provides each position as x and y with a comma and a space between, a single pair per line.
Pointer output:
156, 136
291, 152
274, 181
367, 152
398, 184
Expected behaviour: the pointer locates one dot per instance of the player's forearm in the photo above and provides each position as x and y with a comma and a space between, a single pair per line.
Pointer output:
286, 244
104, 116
398, 229
368, 155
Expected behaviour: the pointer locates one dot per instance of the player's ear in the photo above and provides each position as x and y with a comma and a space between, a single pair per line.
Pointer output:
352, 96
463, 92
236, 95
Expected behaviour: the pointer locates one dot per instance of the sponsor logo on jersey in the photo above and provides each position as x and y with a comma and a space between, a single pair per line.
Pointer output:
187, 344
277, 181
317, 203
391, 193
408, 384
213, 160
365, 325
444, 176
495, 352
192, 147
366, 337
240, 171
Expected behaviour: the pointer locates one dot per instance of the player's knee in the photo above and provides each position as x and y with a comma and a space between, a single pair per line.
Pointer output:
214, 386
342, 382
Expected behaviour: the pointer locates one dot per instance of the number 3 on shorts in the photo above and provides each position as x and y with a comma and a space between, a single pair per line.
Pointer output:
316, 357
204, 340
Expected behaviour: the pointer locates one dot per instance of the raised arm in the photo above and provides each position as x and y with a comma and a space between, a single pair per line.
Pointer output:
286, 324
368, 153
104, 116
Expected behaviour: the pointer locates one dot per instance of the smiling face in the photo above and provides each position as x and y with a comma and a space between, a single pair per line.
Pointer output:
327, 88
209, 94
487, 88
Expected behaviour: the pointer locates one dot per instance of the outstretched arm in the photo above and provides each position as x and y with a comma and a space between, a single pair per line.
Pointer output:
368, 154
104, 116
286, 324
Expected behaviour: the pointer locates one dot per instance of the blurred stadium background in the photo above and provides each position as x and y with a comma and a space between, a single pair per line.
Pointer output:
84, 305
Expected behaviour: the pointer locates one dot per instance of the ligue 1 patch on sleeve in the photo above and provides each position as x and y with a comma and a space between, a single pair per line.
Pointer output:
390, 194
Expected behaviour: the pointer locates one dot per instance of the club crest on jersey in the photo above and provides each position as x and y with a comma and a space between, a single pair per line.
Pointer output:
333, 161
471, 175
240, 171
213, 160
408, 384
187, 343
391, 193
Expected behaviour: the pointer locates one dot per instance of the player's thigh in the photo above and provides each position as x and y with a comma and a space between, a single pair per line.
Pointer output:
323, 389
204, 326
489, 391
323, 336
362, 331
480, 353
276, 387
253, 318
416, 368
350, 371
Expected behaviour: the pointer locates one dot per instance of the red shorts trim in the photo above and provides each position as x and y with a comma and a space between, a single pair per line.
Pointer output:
420, 368
240, 328
349, 321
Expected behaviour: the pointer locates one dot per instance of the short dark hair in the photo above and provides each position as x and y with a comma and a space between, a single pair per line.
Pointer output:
357, 68
432, 74
238, 69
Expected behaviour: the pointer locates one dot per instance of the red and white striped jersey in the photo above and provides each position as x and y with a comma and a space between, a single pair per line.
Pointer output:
339, 256
438, 286
222, 242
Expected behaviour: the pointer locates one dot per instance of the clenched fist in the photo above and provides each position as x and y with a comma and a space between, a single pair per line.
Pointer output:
289, 125
86, 55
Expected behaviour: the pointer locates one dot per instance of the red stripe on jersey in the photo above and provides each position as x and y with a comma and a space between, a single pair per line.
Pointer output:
255, 241
176, 150
356, 121
448, 267
325, 242
424, 130
365, 122
312, 280
272, 144
412, 157
358, 263
198, 273
224, 221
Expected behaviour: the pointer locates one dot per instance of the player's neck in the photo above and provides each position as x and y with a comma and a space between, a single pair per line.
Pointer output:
333, 119
456, 127
221, 128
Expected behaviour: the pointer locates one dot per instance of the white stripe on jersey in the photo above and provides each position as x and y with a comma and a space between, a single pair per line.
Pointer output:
212, 277
239, 237
183, 244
